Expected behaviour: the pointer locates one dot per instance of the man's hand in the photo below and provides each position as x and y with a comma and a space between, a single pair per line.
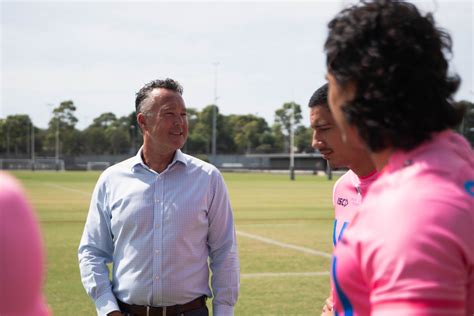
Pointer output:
328, 309
115, 313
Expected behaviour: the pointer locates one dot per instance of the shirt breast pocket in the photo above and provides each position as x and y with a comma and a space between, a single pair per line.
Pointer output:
131, 213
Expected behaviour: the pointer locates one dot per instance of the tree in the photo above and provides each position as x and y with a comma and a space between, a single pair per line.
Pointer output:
16, 130
95, 140
63, 123
269, 143
130, 123
283, 116
118, 137
303, 139
467, 126
64, 115
104, 120
196, 143
278, 138
111, 135
3, 136
203, 127
246, 131
287, 117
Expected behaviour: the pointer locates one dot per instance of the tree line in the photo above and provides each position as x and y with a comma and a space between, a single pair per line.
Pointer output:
109, 134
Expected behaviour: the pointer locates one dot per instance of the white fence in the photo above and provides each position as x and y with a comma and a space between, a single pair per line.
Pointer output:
29, 164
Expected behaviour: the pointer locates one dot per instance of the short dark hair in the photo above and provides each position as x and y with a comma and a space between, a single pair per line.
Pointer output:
319, 97
396, 58
144, 92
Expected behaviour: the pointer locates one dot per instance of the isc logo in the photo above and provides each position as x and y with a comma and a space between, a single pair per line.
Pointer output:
343, 202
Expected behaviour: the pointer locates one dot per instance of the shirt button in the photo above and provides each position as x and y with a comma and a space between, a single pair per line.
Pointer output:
157, 277
157, 252
157, 225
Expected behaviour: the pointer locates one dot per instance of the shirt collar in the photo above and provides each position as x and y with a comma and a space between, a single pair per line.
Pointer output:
138, 160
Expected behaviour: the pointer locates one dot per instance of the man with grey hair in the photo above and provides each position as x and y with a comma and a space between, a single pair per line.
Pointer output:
158, 217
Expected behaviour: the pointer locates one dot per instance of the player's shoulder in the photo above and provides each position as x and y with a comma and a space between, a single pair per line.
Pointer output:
344, 181
345, 178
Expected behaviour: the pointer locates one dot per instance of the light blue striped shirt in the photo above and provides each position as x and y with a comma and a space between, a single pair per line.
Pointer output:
159, 230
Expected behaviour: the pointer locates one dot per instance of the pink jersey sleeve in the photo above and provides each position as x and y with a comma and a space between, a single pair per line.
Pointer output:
345, 201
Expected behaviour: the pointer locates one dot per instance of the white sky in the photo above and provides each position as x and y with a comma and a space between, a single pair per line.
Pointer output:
99, 53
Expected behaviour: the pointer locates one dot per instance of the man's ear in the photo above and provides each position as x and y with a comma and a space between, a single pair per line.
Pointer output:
141, 121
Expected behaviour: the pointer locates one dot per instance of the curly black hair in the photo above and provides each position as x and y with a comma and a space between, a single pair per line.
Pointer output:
319, 97
396, 57
167, 83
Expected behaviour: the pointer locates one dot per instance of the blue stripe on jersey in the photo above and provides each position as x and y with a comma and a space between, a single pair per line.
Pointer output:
469, 186
342, 230
346, 304
334, 232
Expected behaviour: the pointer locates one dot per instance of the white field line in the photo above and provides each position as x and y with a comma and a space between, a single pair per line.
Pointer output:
259, 238
241, 233
282, 274
284, 245
56, 186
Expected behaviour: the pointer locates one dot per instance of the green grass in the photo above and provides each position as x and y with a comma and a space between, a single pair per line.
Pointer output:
297, 213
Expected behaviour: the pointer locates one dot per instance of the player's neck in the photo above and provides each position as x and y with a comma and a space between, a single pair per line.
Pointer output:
363, 167
381, 158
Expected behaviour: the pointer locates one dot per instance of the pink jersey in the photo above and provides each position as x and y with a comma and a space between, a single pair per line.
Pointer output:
410, 248
346, 198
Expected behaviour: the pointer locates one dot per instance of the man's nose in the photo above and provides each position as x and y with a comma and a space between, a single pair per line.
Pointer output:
318, 144
179, 120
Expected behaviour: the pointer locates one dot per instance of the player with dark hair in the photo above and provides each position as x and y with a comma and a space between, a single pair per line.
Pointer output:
410, 249
352, 186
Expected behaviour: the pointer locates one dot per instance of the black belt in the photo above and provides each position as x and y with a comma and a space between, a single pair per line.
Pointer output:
139, 310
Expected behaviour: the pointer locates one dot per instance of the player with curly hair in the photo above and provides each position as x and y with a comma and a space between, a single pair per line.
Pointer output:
410, 249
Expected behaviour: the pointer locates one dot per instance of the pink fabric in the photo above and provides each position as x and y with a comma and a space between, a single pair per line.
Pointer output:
410, 249
347, 198
21, 254
348, 192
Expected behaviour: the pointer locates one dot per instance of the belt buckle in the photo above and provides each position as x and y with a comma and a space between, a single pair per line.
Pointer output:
164, 310
148, 311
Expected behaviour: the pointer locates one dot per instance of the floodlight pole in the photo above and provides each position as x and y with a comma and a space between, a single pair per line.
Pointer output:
32, 146
214, 115
292, 144
8, 140
57, 143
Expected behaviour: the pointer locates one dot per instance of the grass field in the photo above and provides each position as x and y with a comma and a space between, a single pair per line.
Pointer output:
284, 235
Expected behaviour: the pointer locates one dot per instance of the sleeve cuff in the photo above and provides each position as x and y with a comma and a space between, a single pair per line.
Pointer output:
105, 304
222, 310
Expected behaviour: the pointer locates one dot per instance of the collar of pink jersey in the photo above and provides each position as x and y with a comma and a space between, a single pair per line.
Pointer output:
401, 159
